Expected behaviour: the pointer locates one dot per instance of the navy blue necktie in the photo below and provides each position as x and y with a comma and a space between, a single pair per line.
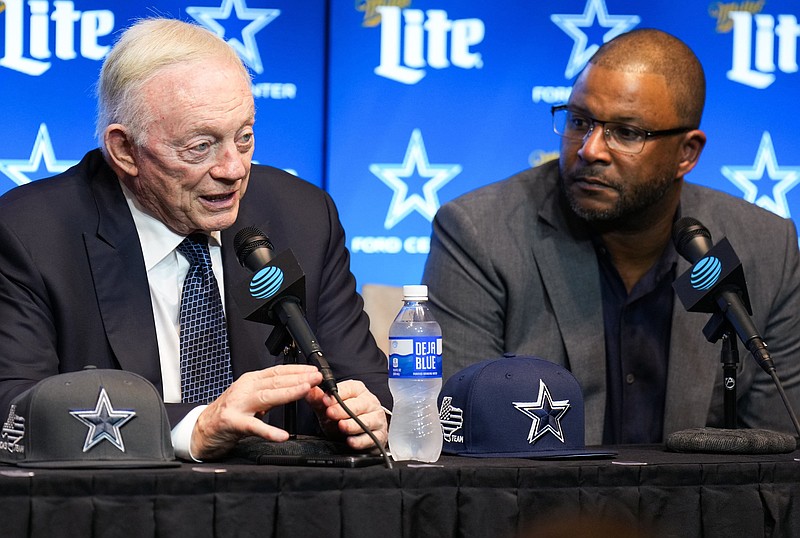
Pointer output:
204, 352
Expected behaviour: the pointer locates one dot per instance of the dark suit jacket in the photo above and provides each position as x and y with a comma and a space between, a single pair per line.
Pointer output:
73, 286
508, 272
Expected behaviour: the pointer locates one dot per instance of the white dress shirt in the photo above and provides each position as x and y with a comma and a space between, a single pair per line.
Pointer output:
166, 271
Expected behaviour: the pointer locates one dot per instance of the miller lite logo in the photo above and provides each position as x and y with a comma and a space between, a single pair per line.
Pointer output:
29, 44
762, 43
413, 39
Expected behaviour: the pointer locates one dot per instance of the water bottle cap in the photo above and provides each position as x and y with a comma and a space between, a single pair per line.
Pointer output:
415, 292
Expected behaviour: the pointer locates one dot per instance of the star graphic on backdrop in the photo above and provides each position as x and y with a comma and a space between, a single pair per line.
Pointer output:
246, 46
19, 170
595, 10
770, 195
546, 414
393, 175
104, 422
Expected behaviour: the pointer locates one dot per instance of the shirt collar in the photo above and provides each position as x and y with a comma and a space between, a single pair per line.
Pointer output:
156, 239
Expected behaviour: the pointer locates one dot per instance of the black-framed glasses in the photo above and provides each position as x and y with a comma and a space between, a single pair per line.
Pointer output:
620, 137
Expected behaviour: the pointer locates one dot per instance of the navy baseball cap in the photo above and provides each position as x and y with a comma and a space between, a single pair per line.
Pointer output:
514, 407
93, 418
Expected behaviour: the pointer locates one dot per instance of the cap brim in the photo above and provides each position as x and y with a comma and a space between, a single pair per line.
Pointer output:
98, 464
546, 454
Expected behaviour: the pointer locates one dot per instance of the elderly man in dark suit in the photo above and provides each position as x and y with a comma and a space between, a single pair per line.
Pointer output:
92, 266
573, 260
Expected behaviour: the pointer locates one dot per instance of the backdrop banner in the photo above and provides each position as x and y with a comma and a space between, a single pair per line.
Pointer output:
397, 106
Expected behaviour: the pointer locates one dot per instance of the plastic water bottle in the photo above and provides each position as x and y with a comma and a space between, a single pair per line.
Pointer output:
415, 379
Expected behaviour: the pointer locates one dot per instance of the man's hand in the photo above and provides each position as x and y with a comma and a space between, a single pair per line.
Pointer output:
337, 423
237, 412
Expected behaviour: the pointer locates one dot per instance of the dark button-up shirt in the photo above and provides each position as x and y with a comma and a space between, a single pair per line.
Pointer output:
637, 333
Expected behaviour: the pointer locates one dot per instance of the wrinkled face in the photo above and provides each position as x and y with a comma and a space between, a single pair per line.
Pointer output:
606, 186
194, 164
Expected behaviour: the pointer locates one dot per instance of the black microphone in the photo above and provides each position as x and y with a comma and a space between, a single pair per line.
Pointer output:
248, 244
279, 280
693, 241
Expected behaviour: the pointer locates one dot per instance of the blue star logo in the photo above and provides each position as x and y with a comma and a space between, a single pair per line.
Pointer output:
22, 171
546, 414
246, 47
595, 11
393, 175
104, 422
770, 195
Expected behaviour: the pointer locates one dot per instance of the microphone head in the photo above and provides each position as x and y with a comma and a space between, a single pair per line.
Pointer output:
247, 240
691, 239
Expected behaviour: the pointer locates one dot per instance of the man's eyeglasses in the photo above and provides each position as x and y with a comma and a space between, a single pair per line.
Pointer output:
619, 137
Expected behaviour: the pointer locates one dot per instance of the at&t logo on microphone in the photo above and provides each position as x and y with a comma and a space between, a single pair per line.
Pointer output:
706, 273
266, 282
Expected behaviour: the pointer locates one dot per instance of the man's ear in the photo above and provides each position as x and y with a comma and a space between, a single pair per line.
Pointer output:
692, 146
120, 149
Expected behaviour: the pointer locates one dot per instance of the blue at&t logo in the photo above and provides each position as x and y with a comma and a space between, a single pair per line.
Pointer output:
266, 282
706, 273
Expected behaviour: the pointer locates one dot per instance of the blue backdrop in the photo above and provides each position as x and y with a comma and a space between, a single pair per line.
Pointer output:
397, 106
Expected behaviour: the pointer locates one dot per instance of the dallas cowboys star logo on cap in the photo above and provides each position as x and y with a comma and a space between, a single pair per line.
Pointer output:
104, 422
546, 414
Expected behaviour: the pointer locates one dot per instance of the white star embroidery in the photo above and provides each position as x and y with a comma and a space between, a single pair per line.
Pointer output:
16, 169
104, 422
246, 47
546, 414
749, 179
572, 24
392, 175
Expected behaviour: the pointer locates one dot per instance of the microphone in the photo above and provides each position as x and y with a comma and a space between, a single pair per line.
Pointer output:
713, 289
253, 248
280, 281
692, 239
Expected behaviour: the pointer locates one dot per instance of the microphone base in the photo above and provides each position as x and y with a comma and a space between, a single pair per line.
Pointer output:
731, 441
253, 447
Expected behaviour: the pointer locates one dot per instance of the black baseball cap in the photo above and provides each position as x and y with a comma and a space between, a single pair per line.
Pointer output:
93, 418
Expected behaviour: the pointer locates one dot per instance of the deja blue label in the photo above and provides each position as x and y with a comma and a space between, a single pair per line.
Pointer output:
417, 356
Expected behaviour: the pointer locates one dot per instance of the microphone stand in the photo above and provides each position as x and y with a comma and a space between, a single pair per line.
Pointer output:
718, 327
279, 340
284, 281
715, 284
730, 439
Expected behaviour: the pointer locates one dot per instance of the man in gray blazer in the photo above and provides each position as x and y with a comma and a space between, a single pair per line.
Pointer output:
573, 261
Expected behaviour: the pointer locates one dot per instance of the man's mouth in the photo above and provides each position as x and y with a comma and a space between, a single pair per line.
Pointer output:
588, 183
218, 197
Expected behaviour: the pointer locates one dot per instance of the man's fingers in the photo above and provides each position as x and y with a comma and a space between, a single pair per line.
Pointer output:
234, 414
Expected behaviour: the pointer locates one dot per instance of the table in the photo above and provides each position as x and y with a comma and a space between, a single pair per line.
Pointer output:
660, 493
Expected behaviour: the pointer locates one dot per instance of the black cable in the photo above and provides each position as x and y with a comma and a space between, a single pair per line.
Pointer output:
386, 460
786, 403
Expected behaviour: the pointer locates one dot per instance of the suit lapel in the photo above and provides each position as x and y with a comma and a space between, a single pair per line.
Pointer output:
120, 281
570, 275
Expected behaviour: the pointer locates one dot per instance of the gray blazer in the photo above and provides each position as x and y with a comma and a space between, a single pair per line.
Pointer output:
508, 273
